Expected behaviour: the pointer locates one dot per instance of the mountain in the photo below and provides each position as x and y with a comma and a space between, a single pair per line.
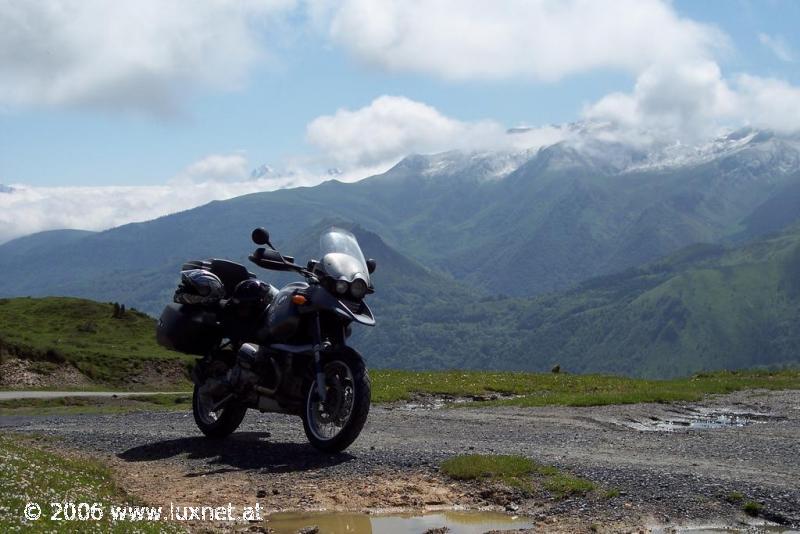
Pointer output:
455, 233
40, 241
516, 223
264, 171
6, 189
705, 307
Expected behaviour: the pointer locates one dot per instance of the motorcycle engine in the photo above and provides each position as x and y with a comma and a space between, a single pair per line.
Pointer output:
245, 374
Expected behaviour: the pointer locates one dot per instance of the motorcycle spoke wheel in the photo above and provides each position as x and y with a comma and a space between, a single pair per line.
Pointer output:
206, 414
326, 420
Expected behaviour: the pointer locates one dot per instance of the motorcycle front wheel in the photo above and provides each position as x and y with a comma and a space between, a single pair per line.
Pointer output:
219, 423
333, 425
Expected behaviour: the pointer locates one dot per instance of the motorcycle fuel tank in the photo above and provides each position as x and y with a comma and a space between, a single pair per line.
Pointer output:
283, 318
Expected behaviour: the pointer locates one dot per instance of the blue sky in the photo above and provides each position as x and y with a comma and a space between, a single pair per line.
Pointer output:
267, 117
193, 95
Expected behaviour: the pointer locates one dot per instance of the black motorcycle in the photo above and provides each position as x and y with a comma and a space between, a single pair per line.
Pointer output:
273, 350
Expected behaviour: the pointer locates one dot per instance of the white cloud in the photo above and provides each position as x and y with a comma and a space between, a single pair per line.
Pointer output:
538, 39
26, 209
693, 101
365, 142
768, 103
138, 55
778, 46
672, 101
680, 90
216, 168
391, 127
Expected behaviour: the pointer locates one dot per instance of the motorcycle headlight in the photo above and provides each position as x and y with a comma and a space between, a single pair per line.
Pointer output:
358, 288
342, 286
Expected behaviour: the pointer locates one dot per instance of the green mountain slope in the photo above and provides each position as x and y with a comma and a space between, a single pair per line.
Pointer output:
40, 241
560, 218
112, 350
461, 252
706, 307
703, 308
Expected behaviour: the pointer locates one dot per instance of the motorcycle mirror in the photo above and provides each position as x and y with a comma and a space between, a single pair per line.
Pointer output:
371, 265
260, 237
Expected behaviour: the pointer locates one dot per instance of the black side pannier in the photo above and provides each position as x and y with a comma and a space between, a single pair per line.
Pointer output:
188, 329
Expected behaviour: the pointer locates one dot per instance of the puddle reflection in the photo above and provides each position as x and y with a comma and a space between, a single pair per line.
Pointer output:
352, 523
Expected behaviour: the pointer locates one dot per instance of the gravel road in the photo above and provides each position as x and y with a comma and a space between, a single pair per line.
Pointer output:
15, 395
745, 442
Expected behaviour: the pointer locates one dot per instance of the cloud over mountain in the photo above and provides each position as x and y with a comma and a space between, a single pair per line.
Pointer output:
693, 100
146, 56
216, 168
26, 209
391, 127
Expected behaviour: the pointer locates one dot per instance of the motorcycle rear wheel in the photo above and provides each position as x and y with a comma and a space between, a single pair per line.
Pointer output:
334, 425
220, 423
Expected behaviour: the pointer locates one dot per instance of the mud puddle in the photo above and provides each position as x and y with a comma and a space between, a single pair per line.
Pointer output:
700, 419
437, 402
352, 523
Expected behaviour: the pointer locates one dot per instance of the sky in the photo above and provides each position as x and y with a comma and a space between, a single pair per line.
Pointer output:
112, 112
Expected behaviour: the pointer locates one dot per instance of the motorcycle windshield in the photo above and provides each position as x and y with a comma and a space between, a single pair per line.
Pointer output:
342, 257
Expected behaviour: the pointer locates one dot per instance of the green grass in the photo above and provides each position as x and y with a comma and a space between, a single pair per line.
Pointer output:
76, 405
53, 332
563, 485
752, 508
542, 389
534, 389
473, 466
516, 471
57, 331
29, 473
734, 497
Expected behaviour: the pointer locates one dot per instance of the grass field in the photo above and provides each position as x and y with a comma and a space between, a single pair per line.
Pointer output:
29, 473
531, 389
109, 350
75, 405
516, 471
542, 389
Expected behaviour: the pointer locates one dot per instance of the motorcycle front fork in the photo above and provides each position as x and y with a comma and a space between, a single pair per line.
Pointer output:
319, 346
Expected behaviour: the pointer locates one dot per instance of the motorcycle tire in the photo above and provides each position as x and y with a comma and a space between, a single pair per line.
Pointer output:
362, 392
227, 421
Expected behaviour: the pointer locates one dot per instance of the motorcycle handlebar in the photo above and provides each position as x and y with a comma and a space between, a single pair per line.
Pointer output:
275, 261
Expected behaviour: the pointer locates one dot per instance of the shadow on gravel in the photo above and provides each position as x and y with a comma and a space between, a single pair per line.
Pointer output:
240, 451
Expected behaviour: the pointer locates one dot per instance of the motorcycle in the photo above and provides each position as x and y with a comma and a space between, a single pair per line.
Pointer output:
282, 351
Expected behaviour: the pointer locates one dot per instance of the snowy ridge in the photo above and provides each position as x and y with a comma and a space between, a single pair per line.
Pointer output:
590, 147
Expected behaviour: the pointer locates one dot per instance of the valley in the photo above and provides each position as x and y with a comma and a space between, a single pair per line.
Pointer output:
595, 257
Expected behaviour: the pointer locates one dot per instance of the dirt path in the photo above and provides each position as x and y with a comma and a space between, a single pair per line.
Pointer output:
16, 395
645, 476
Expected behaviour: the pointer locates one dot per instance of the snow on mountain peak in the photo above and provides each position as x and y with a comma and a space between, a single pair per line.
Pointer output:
263, 171
601, 148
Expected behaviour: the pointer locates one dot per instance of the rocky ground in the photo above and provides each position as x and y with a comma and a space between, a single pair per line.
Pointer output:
21, 374
654, 465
